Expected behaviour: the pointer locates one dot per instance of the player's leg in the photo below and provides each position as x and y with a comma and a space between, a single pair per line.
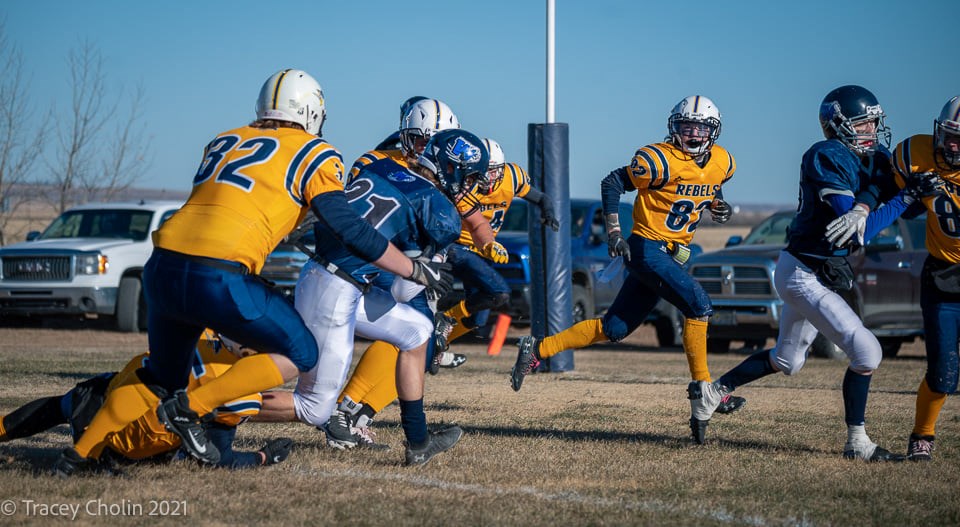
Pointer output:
329, 306
941, 320
484, 287
831, 315
32, 418
630, 308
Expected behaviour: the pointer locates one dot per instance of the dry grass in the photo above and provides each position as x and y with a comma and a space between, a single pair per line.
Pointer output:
605, 445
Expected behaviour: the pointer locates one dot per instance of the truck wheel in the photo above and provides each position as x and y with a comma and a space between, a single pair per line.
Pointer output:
669, 332
582, 304
890, 347
822, 347
718, 345
131, 306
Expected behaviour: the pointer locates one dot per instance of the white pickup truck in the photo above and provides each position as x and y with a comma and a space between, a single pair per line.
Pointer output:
88, 262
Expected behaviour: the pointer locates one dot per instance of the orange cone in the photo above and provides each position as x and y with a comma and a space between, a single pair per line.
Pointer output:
499, 334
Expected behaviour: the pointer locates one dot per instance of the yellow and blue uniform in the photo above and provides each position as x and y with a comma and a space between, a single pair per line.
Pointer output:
673, 191
146, 437
493, 206
941, 309
254, 185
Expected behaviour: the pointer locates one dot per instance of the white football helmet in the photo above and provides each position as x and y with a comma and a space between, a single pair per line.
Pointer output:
423, 119
698, 115
947, 123
491, 180
293, 96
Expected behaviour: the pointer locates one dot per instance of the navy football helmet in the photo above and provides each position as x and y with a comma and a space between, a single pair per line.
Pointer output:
458, 160
847, 106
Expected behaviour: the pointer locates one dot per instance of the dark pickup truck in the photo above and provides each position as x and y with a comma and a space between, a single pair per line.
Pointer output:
886, 293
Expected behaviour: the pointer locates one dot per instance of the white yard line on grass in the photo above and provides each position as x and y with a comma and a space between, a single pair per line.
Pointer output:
717, 514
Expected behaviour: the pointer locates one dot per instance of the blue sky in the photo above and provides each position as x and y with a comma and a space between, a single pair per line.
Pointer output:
621, 66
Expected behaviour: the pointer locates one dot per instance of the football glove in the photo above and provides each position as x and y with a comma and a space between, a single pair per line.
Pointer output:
848, 227
548, 217
496, 252
924, 185
720, 211
617, 246
435, 276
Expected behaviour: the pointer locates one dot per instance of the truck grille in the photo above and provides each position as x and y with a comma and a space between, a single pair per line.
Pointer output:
37, 268
734, 280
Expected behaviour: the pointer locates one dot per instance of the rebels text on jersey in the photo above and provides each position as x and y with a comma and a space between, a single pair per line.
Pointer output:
915, 155
828, 167
252, 188
404, 207
673, 191
493, 206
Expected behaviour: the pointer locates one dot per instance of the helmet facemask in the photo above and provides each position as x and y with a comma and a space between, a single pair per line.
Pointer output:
491, 180
946, 141
861, 142
695, 137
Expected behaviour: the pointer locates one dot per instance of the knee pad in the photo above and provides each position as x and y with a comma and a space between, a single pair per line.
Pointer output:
305, 354
865, 352
789, 367
615, 328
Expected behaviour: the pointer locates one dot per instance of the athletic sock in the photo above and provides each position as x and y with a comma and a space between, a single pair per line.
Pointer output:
373, 381
414, 423
695, 348
929, 404
253, 374
752, 368
856, 387
579, 335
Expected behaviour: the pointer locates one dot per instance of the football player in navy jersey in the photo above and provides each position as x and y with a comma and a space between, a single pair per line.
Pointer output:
339, 295
843, 180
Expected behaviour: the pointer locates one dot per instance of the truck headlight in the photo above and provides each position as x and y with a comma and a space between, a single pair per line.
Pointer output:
94, 263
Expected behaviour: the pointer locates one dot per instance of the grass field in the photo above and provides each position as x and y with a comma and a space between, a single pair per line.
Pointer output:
606, 444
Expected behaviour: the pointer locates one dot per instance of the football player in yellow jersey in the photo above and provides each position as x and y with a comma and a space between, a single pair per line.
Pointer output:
146, 437
485, 289
254, 185
676, 181
931, 164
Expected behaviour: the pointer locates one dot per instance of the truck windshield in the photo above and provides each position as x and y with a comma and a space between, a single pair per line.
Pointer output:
106, 223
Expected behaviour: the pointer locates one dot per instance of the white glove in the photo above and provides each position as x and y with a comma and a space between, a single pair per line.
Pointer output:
844, 228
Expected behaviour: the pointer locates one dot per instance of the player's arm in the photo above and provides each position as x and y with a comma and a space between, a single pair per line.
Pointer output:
548, 216
611, 188
361, 239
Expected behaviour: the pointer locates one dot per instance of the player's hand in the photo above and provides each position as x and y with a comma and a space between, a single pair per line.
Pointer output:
720, 211
925, 185
276, 451
548, 217
435, 276
496, 252
848, 227
617, 246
